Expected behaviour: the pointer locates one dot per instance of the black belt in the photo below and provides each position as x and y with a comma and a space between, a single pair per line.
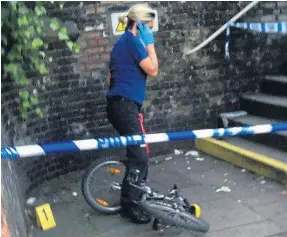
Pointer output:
121, 98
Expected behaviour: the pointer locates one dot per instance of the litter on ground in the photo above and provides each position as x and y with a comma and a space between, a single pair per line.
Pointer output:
178, 152
168, 158
191, 153
31, 201
223, 189
199, 158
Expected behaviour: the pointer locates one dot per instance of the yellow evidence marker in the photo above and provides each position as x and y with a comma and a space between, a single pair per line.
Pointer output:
45, 218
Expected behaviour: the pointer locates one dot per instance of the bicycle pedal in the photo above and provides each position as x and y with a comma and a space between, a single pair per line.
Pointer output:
157, 226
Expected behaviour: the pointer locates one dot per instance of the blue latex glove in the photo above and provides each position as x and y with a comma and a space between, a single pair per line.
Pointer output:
145, 33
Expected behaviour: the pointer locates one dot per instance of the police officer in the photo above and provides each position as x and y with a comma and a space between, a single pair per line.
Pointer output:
133, 58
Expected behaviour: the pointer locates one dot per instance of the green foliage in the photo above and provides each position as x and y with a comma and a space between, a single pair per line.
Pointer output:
23, 43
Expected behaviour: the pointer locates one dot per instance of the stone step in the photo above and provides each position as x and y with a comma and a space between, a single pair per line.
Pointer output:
265, 105
257, 158
274, 85
258, 148
277, 140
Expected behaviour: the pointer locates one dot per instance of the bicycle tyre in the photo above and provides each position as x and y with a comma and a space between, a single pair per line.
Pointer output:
160, 212
100, 162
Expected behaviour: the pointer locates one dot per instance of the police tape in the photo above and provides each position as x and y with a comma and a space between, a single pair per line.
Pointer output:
121, 141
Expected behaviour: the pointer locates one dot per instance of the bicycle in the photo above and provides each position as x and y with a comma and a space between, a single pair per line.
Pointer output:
170, 209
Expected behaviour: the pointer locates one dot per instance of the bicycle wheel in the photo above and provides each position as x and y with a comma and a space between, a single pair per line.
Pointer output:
101, 184
169, 216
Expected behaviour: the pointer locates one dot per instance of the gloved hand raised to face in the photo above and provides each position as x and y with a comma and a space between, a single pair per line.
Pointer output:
145, 33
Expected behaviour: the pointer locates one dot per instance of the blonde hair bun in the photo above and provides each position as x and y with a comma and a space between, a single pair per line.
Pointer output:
123, 18
140, 12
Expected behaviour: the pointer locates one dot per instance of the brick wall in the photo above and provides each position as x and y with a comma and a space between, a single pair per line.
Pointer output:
13, 186
189, 92
254, 54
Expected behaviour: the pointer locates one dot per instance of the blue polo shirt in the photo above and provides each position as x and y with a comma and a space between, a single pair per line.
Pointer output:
127, 77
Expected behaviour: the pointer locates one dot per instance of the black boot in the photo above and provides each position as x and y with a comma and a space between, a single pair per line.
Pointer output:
130, 209
134, 213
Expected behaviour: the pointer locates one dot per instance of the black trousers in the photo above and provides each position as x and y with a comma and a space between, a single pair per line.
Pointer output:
123, 115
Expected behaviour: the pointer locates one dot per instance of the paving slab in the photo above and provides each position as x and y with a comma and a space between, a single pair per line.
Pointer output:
283, 234
252, 229
254, 207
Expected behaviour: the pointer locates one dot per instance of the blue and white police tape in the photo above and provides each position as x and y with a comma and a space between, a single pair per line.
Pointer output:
266, 27
111, 142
